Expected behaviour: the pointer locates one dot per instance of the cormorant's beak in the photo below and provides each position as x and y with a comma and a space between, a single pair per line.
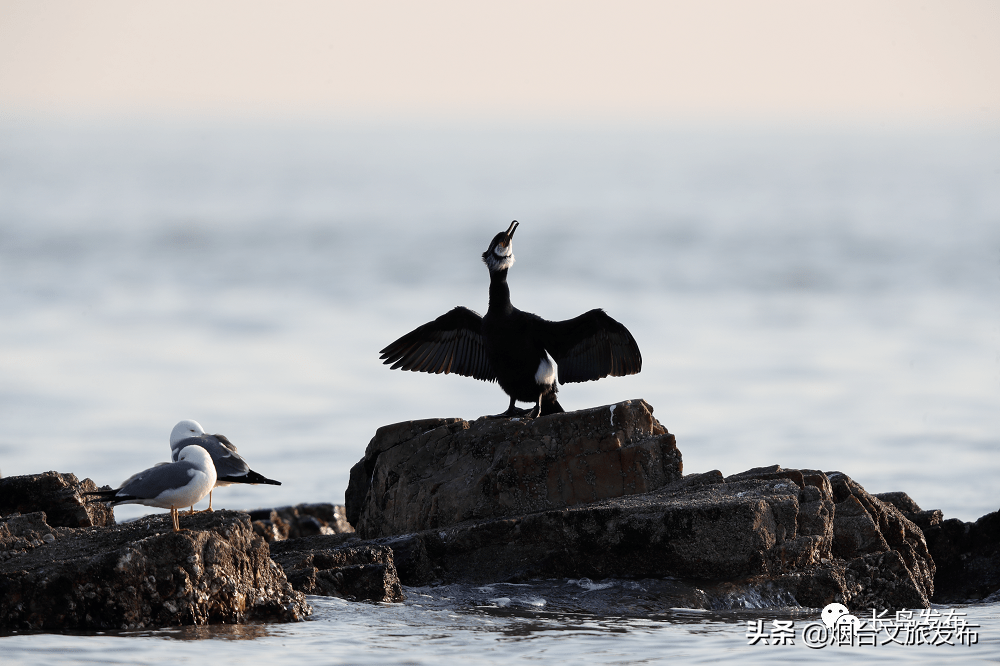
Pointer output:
511, 230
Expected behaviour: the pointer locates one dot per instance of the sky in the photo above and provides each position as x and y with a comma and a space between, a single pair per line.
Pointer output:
729, 61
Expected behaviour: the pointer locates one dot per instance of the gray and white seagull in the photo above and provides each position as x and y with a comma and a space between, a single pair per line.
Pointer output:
172, 485
230, 466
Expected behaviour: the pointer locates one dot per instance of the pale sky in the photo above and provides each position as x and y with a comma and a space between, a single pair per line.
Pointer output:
716, 60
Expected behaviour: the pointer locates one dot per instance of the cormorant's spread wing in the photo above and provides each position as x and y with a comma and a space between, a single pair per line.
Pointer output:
451, 343
590, 346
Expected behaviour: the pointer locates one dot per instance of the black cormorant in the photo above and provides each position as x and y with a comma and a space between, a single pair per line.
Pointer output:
515, 348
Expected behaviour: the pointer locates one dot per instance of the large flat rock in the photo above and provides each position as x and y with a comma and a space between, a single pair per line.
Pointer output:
434, 473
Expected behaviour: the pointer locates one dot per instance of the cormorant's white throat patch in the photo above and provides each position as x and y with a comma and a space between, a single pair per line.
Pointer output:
546, 373
500, 258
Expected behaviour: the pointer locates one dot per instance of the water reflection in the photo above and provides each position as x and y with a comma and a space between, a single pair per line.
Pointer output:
228, 632
438, 626
232, 632
670, 599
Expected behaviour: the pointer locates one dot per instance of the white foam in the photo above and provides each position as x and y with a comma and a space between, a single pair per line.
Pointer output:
589, 585
538, 602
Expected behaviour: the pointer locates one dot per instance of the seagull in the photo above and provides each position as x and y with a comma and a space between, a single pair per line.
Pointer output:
229, 465
517, 349
173, 485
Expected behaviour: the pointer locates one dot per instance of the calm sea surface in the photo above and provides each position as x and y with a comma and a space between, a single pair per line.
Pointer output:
821, 300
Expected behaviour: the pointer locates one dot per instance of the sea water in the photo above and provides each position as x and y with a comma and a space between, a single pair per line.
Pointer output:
816, 299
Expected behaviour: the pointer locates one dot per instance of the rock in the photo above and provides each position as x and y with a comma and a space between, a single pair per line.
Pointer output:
339, 566
20, 534
58, 495
431, 474
302, 520
900, 500
599, 493
591, 494
909, 508
880, 555
767, 527
140, 574
967, 557
385, 439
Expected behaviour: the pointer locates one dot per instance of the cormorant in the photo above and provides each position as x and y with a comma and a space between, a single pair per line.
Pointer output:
515, 348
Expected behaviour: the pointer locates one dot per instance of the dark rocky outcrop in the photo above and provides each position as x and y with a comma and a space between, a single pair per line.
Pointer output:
140, 574
596, 494
60, 496
434, 473
320, 554
768, 526
967, 555
910, 509
599, 493
301, 520
339, 566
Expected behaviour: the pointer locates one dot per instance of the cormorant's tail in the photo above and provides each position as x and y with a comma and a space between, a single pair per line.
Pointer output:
550, 405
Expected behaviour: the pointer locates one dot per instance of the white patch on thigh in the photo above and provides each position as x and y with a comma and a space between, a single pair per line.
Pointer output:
546, 373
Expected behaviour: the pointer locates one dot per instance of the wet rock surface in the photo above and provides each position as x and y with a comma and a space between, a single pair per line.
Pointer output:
340, 566
301, 520
140, 574
434, 473
58, 495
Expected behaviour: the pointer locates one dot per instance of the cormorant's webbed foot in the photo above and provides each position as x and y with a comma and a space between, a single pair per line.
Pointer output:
512, 411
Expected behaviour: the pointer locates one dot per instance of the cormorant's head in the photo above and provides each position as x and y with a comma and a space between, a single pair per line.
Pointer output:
500, 255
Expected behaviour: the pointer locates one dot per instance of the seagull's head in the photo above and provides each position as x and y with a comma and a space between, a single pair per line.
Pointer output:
199, 457
185, 430
500, 254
